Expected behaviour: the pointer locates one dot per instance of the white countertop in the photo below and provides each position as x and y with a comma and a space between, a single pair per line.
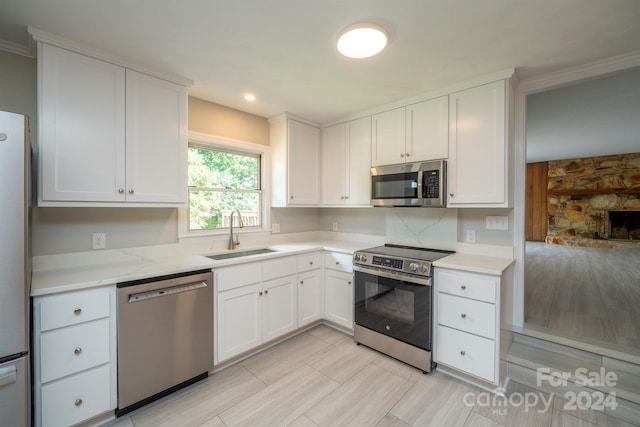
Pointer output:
87, 276
494, 266
87, 273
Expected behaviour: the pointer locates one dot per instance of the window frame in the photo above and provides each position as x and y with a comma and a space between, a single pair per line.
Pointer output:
214, 142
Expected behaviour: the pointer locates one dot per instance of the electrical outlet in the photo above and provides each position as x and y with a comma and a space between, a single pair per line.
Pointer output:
335, 226
500, 222
470, 236
275, 228
99, 241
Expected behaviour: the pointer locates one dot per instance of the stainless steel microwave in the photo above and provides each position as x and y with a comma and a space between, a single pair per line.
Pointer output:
419, 184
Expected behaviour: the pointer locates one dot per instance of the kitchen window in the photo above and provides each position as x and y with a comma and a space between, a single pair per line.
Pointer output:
223, 176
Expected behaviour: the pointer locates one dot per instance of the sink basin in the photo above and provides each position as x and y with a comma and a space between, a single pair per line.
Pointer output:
238, 254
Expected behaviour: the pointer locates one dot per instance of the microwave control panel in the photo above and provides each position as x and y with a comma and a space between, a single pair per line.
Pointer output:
431, 184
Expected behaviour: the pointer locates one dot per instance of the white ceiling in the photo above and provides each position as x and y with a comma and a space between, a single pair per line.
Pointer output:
284, 50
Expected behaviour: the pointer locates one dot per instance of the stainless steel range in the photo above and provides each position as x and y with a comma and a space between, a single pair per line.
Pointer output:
394, 301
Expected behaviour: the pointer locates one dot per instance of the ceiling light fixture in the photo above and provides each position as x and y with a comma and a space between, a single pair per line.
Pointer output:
250, 97
362, 40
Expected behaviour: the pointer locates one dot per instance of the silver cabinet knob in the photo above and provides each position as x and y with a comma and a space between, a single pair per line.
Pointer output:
463, 287
78, 402
310, 262
131, 191
302, 282
260, 293
464, 316
451, 194
462, 352
77, 311
407, 154
121, 190
401, 154
3, 136
77, 351
266, 292
349, 282
292, 197
337, 262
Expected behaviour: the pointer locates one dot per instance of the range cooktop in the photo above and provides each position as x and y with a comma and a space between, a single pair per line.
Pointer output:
408, 259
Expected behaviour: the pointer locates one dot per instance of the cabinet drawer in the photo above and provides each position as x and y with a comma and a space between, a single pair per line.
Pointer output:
76, 398
309, 262
469, 285
73, 349
466, 352
340, 262
476, 317
237, 276
279, 267
69, 309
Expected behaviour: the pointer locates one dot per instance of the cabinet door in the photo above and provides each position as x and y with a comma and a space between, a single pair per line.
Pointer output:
82, 127
359, 166
279, 307
309, 297
477, 147
338, 298
304, 164
428, 129
334, 164
156, 140
388, 137
239, 321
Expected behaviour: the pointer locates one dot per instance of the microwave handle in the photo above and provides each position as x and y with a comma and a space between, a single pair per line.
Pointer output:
420, 180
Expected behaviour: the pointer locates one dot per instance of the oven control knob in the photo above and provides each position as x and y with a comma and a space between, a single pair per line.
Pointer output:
425, 268
363, 258
413, 266
356, 257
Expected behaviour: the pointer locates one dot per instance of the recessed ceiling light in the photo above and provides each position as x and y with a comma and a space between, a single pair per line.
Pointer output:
250, 97
362, 40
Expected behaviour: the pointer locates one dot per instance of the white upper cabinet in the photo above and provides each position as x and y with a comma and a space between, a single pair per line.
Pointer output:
388, 137
82, 127
478, 173
413, 133
295, 155
108, 135
156, 140
428, 130
346, 149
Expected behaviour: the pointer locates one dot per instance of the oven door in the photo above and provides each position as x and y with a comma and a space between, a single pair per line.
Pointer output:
395, 305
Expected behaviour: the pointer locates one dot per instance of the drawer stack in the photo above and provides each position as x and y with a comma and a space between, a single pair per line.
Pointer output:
467, 322
73, 356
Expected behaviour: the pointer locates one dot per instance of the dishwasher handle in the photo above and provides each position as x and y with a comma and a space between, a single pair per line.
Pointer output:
143, 296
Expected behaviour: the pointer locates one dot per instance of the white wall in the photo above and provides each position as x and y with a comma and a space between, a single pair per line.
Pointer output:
593, 118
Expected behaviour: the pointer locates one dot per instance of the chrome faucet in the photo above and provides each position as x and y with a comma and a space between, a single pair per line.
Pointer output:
233, 243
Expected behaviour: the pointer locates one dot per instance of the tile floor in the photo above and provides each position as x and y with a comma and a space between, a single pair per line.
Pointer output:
322, 378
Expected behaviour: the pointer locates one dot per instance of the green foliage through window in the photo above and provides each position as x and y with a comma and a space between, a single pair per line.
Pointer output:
220, 182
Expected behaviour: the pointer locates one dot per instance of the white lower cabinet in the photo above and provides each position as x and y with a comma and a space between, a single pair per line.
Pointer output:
467, 323
74, 349
338, 289
255, 303
309, 288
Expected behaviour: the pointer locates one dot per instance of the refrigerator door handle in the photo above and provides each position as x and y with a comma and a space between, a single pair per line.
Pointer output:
8, 375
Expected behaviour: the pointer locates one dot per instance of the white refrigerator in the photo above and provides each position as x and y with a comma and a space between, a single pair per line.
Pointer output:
15, 272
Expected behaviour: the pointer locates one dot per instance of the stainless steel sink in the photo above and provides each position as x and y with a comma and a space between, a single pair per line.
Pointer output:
238, 254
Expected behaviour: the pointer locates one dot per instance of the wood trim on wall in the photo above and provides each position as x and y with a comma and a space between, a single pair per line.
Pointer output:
536, 202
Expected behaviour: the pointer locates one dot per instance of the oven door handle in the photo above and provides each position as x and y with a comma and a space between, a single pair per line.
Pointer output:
389, 275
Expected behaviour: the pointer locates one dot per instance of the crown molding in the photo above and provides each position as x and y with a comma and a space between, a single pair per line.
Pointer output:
580, 73
44, 37
19, 49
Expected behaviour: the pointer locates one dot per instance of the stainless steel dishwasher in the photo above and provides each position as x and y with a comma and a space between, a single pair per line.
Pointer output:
165, 336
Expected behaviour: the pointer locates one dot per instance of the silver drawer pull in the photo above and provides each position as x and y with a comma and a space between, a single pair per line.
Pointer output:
78, 402
310, 262
77, 311
302, 282
464, 316
349, 282
463, 287
462, 352
77, 351
337, 263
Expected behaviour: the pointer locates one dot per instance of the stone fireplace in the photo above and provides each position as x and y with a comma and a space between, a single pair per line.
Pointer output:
594, 201
624, 225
